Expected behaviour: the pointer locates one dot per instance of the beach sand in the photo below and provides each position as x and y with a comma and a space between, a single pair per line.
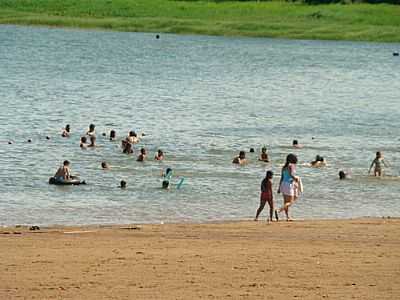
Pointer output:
338, 259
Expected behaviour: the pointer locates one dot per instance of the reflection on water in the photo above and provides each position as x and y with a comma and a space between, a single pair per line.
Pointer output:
201, 100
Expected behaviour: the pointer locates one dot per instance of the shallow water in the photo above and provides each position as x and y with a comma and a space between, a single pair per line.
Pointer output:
201, 99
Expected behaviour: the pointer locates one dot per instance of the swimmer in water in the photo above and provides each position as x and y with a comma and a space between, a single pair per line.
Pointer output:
318, 162
63, 173
295, 144
105, 165
113, 135
241, 159
132, 137
91, 131
122, 184
159, 155
379, 163
166, 178
66, 131
142, 156
127, 147
92, 141
342, 175
264, 155
83, 143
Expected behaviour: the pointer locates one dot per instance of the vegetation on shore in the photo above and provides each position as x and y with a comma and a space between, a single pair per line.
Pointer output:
359, 22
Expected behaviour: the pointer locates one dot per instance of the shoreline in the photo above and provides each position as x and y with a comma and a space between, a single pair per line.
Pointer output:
324, 259
275, 19
262, 219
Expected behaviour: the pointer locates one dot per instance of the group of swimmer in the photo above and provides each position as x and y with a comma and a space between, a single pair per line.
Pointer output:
63, 174
290, 185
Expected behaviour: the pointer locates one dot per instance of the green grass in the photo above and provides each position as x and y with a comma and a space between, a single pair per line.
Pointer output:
361, 22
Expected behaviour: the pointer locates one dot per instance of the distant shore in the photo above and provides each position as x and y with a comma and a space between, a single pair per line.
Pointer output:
275, 19
331, 259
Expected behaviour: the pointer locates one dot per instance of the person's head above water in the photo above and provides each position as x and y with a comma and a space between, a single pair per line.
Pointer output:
168, 171
269, 174
104, 165
251, 150
342, 175
67, 128
160, 152
264, 150
378, 154
295, 143
122, 184
83, 139
66, 163
132, 133
143, 151
91, 127
165, 184
112, 134
242, 155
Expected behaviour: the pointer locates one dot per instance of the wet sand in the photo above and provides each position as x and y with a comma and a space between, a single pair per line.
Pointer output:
338, 259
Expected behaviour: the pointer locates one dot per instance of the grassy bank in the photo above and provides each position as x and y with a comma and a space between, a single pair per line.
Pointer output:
360, 22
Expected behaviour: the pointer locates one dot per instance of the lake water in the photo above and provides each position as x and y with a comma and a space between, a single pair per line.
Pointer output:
201, 99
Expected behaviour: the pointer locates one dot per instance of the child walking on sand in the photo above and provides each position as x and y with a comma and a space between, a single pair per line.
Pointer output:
266, 196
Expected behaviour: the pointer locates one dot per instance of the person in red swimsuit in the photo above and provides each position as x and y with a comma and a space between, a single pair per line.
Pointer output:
266, 196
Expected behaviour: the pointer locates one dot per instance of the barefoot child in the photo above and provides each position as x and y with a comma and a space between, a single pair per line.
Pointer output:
264, 155
266, 195
379, 163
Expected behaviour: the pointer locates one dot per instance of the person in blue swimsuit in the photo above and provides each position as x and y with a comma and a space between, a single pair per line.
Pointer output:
288, 185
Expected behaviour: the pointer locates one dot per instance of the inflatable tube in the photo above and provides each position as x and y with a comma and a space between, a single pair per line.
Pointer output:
54, 181
179, 185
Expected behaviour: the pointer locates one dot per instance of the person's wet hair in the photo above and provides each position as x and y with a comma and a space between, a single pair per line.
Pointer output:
295, 142
251, 150
67, 128
122, 184
104, 165
66, 163
242, 154
342, 175
269, 174
91, 127
83, 139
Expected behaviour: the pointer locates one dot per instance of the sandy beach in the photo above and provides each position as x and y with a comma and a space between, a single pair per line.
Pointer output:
337, 259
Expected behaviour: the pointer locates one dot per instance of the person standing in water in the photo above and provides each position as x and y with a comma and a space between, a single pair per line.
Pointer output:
288, 185
266, 196
113, 135
379, 163
66, 131
142, 156
159, 155
241, 159
264, 155
91, 131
